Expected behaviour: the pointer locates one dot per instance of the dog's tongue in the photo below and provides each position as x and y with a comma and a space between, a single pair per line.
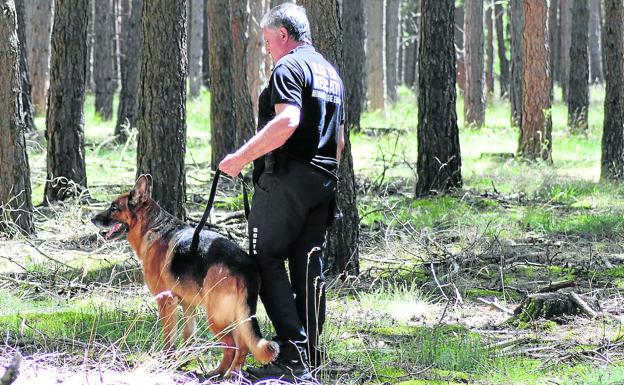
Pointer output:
113, 230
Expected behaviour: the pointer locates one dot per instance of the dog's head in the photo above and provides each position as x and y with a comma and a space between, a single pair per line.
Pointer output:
123, 212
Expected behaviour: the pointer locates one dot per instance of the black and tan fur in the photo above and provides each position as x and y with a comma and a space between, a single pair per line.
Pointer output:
221, 278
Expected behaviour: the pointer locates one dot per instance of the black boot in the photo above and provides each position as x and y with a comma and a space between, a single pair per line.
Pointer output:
291, 365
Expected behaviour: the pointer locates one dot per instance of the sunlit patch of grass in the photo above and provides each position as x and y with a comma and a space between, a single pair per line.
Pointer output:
403, 301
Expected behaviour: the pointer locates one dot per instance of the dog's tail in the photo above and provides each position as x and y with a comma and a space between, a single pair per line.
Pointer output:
263, 350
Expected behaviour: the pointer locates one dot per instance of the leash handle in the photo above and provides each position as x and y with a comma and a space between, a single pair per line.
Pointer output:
211, 198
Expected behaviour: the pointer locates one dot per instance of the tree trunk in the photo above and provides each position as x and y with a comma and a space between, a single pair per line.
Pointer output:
516, 23
489, 68
474, 102
502, 49
565, 22
612, 163
342, 245
555, 35
39, 51
439, 158
195, 37
393, 15
66, 172
410, 44
27, 104
595, 43
536, 124
578, 84
353, 44
15, 194
90, 44
116, 78
103, 58
459, 43
376, 82
223, 121
162, 97
206, 48
130, 72
245, 122
255, 59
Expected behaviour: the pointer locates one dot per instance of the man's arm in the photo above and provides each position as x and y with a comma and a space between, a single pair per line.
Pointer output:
341, 143
272, 136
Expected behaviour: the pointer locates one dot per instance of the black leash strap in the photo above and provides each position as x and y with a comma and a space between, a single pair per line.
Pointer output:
211, 198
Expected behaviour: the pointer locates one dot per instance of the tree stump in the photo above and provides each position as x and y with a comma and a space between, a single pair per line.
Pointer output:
551, 306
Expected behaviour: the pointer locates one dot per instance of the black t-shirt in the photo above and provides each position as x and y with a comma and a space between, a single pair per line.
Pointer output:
305, 79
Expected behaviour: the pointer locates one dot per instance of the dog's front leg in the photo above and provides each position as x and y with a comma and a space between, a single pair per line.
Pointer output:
167, 305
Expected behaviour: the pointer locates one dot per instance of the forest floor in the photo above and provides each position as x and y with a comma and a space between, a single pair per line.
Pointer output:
438, 275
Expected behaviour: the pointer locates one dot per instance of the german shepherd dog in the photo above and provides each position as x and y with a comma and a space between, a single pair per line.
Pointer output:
221, 278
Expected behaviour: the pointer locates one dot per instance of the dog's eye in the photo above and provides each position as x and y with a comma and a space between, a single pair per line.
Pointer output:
114, 207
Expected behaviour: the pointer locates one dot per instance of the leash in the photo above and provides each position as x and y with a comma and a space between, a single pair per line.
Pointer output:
211, 198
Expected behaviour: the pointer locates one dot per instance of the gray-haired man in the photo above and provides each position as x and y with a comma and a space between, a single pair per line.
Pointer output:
296, 153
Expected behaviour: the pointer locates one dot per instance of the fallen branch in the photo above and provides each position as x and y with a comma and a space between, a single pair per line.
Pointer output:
554, 286
495, 305
580, 302
12, 370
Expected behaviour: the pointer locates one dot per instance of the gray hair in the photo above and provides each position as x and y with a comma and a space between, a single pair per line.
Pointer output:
292, 17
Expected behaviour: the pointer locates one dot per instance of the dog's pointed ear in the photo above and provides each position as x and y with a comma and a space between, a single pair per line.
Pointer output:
142, 189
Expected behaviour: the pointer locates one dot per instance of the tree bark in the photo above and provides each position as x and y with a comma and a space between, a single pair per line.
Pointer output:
28, 111
554, 43
353, 44
578, 84
239, 25
502, 49
516, 23
162, 97
195, 37
439, 158
342, 255
536, 124
130, 72
474, 40
393, 15
489, 68
595, 42
565, 22
15, 193
66, 172
376, 82
222, 109
39, 51
103, 58
612, 163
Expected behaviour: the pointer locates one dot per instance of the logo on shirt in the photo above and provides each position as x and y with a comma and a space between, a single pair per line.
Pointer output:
326, 83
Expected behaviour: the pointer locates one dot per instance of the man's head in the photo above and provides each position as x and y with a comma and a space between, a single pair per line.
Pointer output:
285, 27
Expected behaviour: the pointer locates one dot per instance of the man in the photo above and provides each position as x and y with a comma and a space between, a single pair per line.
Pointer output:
296, 152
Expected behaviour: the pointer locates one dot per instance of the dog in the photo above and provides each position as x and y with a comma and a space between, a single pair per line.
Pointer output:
221, 277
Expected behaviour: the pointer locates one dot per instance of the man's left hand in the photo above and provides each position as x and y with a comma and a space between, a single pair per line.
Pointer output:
232, 165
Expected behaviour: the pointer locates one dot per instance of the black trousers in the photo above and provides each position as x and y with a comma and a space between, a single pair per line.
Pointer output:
288, 221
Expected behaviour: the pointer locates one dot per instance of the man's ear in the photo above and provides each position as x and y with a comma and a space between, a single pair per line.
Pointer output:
283, 33
142, 189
